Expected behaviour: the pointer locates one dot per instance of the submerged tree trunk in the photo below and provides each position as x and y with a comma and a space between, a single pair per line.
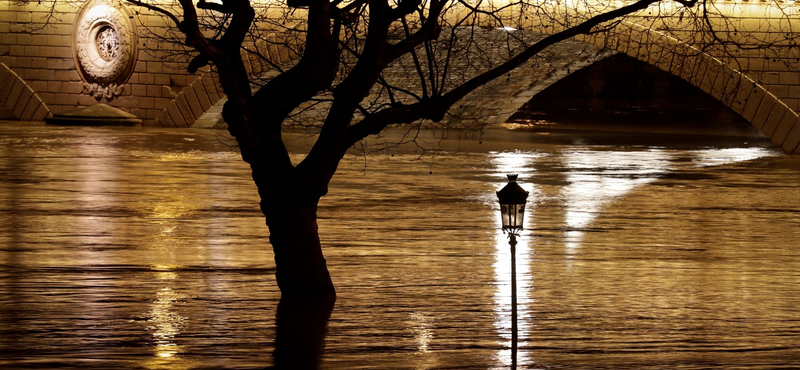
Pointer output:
292, 220
301, 267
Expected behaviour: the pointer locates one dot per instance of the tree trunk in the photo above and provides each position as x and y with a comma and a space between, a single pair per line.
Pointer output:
289, 200
301, 267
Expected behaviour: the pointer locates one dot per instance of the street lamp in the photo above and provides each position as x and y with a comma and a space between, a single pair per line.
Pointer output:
512, 200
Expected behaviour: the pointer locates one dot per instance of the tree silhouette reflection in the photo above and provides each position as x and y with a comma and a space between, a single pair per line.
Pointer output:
301, 326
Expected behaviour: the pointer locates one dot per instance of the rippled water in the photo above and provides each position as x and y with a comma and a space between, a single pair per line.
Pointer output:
131, 248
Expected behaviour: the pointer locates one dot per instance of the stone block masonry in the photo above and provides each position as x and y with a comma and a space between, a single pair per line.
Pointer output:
36, 47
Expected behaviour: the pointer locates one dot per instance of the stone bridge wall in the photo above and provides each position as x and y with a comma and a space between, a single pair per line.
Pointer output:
40, 74
38, 63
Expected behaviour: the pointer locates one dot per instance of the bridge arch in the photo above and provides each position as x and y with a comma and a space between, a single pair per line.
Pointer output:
724, 83
17, 100
720, 80
195, 104
731, 87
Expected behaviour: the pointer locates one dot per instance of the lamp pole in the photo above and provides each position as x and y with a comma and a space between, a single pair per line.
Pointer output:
512, 241
512, 199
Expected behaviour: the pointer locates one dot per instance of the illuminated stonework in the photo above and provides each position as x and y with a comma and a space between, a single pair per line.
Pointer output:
104, 46
107, 43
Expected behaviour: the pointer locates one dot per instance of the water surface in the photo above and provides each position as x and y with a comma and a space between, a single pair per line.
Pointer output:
144, 248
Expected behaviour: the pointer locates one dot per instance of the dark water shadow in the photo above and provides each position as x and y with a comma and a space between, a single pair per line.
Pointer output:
301, 326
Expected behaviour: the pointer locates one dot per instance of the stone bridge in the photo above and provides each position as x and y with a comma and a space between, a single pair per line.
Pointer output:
43, 68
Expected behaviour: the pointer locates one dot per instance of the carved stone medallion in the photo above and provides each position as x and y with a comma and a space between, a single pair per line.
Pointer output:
104, 45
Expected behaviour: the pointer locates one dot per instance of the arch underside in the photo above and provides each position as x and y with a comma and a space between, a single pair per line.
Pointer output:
17, 100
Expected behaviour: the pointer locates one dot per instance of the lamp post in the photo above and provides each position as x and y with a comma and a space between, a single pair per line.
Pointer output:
512, 200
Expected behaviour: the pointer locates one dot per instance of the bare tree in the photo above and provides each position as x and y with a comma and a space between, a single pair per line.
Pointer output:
348, 56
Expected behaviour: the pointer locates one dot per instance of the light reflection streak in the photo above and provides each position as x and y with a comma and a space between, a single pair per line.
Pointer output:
598, 177
164, 323
513, 163
98, 183
168, 209
423, 333
718, 157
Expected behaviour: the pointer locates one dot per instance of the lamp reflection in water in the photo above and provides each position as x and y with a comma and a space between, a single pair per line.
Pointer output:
512, 199
164, 322
596, 178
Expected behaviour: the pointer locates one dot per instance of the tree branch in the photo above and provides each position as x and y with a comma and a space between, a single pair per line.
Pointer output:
156, 9
435, 108
583, 28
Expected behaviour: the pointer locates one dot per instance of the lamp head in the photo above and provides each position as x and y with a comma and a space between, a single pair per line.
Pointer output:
512, 199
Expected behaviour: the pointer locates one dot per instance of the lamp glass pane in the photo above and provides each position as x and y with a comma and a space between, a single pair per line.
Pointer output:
520, 215
505, 213
512, 215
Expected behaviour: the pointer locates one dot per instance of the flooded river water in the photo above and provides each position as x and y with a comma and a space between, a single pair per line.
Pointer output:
145, 249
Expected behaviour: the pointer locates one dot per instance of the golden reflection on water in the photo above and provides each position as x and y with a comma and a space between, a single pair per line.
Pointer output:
720, 156
122, 263
164, 323
421, 326
598, 177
